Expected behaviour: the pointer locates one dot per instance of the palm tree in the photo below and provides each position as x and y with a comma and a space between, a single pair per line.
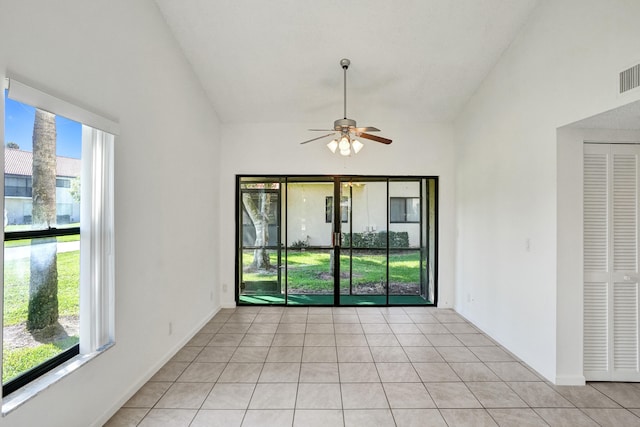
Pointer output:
43, 283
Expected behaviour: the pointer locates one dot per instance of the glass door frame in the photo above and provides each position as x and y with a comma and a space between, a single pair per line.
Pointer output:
277, 247
308, 179
348, 181
428, 264
336, 238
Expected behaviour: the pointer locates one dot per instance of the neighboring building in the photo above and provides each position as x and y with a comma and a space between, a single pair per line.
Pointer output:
309, 212
18, 166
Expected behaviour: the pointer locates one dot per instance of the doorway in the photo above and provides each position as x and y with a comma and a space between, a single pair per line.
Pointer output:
336, 240
611, 270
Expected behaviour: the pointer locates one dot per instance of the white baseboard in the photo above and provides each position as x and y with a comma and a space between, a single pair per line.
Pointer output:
152, 371
570, 380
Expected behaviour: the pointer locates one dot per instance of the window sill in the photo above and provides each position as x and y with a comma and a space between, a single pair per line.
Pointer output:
21, 396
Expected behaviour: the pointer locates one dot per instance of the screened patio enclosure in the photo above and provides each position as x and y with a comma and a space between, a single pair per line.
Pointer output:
336, 240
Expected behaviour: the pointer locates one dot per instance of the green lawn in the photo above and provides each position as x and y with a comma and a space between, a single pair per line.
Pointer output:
16, 287
18, 361
16, 299
310, 270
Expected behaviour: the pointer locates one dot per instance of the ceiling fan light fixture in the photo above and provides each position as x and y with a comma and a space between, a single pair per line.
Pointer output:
346, 152
344, 143
356, 145
333, 145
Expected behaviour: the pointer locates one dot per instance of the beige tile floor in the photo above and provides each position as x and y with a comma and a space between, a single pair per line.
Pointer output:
370, 366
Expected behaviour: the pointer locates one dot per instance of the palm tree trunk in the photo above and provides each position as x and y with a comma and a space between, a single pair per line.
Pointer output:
43, 282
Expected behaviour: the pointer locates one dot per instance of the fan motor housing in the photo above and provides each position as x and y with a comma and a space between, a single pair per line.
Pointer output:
344, 123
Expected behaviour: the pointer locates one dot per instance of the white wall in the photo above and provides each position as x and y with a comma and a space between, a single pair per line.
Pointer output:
263, 149
563, 67
306, 220
117, 57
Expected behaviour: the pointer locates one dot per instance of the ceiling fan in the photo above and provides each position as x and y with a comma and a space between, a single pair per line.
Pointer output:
345, 130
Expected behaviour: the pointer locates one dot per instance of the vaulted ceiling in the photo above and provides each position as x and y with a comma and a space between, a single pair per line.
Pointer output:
278, 60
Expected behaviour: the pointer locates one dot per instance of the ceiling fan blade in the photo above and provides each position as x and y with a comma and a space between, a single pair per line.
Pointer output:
367, 129
376, 138
314, 139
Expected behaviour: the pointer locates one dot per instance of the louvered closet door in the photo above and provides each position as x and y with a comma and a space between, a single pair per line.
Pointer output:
611, 332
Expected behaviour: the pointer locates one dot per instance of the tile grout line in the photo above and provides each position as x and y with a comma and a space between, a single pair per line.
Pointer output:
385, 316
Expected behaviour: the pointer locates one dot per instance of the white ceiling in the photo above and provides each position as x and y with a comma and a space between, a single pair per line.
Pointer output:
278, 60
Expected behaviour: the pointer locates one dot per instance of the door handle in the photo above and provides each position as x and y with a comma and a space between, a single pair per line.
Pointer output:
337, 239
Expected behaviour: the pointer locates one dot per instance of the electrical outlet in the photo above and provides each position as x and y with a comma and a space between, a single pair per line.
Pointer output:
211, 296
170, 328
224, 287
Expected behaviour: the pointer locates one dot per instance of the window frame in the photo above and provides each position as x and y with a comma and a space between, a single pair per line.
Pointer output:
37, 371
97, 312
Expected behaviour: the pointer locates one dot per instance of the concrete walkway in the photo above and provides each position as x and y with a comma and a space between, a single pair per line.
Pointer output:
19, 252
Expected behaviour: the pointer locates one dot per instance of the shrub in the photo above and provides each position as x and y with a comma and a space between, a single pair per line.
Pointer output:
299, 244
370, 239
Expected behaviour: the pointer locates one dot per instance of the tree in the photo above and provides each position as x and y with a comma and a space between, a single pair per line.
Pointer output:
259, 215
13, 145
75, 189
43, 284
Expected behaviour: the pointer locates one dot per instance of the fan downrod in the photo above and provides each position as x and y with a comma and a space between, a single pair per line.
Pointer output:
344, 63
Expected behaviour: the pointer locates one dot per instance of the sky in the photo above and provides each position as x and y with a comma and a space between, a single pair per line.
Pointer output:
18, 128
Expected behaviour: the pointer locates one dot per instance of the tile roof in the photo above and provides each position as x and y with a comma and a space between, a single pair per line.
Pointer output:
18, 162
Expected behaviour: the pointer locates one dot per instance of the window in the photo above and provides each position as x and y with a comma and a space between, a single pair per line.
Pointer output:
344, 209
16, 186
404, 209
63, 183
57, 292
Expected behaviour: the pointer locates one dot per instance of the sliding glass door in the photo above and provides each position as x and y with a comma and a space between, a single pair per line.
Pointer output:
363, 252
309, 262
412, 229
259, 236
337, 240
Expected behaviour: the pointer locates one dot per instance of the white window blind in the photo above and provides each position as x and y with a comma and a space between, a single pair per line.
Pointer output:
28, 95
96, 244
